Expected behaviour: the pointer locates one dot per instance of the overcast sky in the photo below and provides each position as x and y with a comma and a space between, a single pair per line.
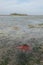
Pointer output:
21, 6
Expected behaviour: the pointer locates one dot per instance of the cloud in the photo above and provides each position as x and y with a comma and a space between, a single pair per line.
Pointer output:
21, 6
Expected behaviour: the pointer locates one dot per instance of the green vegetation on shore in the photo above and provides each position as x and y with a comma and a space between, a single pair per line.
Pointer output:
16, 14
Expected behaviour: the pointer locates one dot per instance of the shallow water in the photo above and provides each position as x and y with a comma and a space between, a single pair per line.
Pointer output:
18, 25
18, 30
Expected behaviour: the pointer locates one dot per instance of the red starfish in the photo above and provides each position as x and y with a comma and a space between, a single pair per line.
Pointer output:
24, 47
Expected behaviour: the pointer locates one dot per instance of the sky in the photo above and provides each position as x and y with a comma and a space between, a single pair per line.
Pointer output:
31, 7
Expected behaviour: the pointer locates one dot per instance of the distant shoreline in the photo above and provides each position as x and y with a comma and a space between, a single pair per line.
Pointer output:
14, 14
17, 14
21, 15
